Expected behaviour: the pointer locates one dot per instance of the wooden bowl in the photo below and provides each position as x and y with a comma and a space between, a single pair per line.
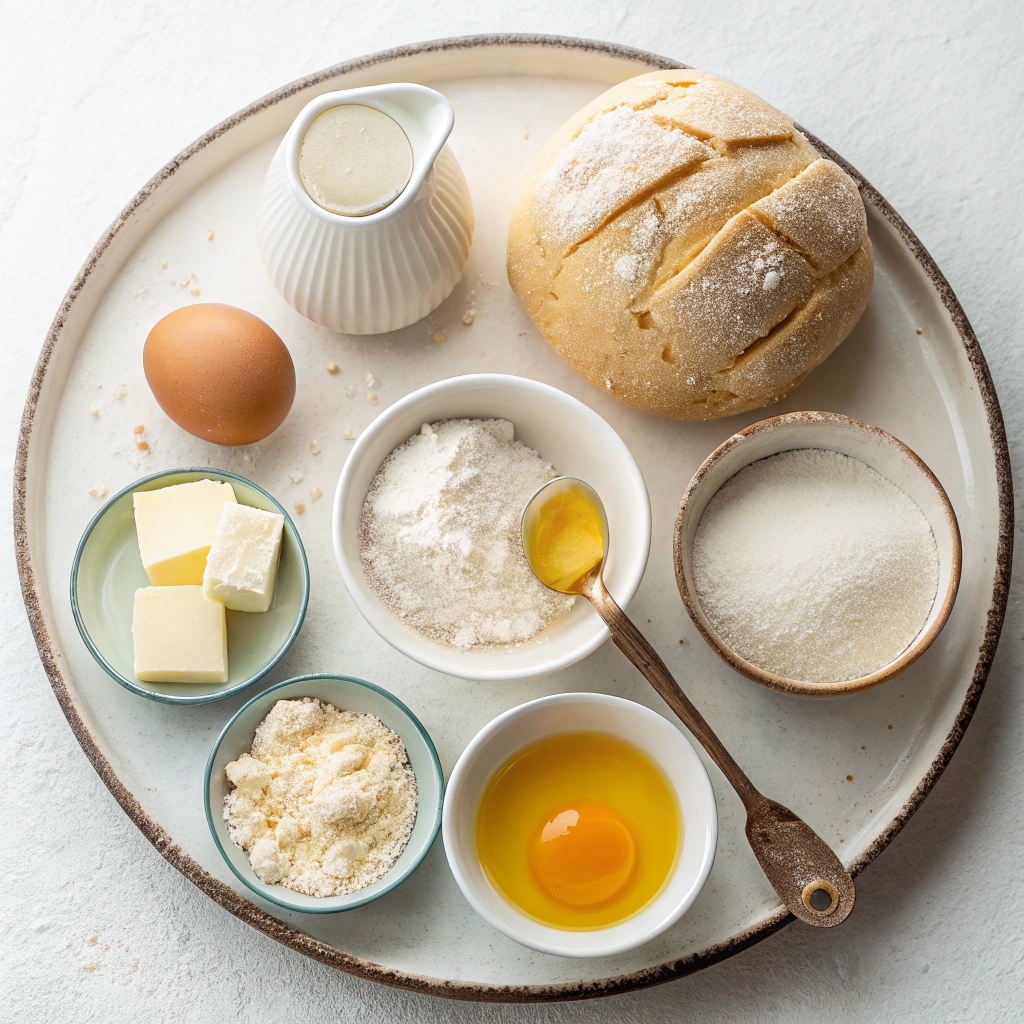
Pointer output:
835, 432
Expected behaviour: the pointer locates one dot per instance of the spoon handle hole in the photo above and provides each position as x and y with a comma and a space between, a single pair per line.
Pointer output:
820, 897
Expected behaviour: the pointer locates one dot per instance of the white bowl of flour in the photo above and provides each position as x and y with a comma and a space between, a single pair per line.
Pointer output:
817, 554
568, 438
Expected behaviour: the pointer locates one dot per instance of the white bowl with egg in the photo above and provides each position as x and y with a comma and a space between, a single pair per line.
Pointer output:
662, 740
346, 694
565, 433
870, 445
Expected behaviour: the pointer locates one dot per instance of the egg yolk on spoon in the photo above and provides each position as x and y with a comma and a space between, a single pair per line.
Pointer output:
565, 540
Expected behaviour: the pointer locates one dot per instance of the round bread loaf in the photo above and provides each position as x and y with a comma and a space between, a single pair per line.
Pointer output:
682, 246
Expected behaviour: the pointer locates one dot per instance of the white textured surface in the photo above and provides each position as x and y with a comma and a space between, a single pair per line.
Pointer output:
924, 100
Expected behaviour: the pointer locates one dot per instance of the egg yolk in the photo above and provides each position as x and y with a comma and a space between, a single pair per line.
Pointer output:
565, 540
579, 830
583, 854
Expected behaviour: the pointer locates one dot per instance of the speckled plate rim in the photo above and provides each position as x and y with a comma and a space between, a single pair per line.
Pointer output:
322, 951
204, 698
400, 876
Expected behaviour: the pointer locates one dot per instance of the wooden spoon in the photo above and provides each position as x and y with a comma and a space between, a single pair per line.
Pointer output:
808, 877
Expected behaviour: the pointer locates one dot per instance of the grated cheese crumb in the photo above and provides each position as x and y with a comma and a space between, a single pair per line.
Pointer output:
325, 802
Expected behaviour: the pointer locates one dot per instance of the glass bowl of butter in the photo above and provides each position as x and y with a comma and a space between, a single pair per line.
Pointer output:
189, 585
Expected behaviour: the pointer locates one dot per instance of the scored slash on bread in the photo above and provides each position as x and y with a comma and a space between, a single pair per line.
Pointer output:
682, 246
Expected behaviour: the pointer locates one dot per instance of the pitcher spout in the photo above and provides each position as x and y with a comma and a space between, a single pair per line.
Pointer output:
424, 115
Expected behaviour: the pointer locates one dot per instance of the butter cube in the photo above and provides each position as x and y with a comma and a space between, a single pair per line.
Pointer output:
176, 526
241, 569
180, 636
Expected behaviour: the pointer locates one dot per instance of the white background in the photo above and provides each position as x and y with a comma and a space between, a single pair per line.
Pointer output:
925, 97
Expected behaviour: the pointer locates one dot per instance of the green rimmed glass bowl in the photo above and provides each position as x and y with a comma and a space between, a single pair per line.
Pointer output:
107, 571
347, 694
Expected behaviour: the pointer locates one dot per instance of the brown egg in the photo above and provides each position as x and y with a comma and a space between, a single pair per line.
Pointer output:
220, 373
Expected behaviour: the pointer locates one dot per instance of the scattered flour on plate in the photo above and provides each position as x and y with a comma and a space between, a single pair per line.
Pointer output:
815, 567
440, 535
326, 800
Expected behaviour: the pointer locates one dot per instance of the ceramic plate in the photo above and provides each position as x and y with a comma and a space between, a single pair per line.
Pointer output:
912, 366
107, 571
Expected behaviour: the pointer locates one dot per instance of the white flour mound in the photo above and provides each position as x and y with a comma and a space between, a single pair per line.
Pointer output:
440, 535
812, 565
325, 802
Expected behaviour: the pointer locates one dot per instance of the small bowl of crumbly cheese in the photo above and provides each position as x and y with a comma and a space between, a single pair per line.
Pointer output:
323, 793
817, 554
427, 525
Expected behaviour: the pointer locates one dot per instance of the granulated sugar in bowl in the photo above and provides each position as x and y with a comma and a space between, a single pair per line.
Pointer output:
813, 566
817, 554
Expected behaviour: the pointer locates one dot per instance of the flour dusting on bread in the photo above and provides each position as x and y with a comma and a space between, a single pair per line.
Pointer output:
619, 154
684, 247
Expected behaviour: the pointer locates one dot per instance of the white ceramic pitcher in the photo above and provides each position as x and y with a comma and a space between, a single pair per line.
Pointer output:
367, 275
